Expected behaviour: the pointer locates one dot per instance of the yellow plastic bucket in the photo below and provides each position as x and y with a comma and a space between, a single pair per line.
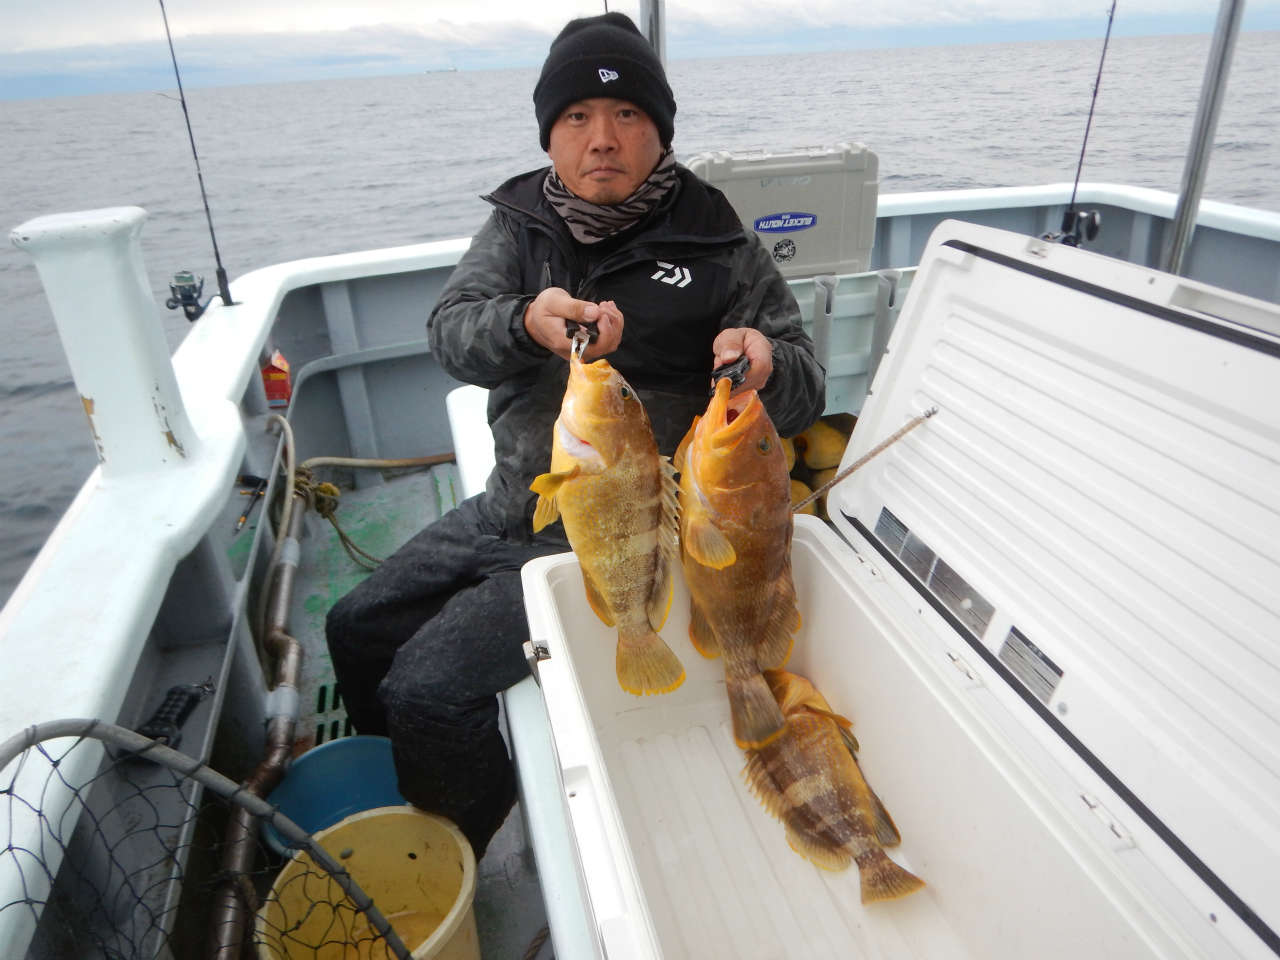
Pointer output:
417, 868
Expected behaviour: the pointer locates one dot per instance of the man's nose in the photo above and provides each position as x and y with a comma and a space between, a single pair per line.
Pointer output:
603, 133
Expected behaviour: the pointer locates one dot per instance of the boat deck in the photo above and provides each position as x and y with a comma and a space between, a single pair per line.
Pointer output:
379, 517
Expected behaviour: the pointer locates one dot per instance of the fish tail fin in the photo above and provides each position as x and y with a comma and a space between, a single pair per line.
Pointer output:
645, 664
757, 721
882, 879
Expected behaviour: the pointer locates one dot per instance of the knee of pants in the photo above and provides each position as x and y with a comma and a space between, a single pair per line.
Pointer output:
339, 624
412, 691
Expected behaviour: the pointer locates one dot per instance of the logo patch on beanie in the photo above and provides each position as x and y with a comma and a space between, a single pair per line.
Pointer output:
606, 74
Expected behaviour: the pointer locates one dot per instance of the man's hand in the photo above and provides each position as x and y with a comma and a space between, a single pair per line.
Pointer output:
735, 342
544, 318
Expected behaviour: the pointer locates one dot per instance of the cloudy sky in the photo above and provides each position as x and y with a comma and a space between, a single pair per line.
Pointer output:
52, 47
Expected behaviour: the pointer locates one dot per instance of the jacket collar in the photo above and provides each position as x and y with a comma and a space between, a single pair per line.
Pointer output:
703, 217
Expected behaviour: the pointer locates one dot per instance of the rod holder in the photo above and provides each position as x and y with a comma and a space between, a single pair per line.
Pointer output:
90, 264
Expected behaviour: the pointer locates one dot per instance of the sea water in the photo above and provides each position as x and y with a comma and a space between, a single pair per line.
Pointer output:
307, 169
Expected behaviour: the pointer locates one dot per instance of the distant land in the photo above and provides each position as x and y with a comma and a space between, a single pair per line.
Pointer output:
221, 60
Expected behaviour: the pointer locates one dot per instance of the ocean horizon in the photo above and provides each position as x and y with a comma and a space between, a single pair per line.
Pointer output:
309, 168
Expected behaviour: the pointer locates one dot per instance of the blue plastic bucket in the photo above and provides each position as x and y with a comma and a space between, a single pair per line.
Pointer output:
333, 781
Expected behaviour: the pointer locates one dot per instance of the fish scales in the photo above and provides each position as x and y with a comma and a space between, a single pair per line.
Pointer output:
810, 780
735, 534
617, 499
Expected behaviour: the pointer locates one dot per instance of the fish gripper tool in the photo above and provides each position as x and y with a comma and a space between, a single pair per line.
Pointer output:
582, 333
736, 372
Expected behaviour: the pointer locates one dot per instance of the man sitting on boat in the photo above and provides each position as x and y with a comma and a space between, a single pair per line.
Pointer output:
659, 261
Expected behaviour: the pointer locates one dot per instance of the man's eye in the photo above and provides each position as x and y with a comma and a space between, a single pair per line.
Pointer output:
577, 116
628, 114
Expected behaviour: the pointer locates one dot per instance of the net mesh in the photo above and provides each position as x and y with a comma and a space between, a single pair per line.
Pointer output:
113, 846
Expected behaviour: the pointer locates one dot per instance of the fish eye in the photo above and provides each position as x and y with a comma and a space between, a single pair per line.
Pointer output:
625, 392
764, 445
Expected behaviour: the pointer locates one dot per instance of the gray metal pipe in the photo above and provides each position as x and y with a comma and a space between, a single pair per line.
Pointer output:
1216, 70
234, 900
653, 24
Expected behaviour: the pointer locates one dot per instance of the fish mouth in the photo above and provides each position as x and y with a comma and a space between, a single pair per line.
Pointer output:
597, 371
731, 418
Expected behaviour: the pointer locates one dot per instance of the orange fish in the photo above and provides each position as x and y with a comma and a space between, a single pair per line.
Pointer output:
735, 535
617, 497
810, 780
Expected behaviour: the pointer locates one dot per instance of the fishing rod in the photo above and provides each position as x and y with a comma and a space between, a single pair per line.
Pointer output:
185, 290
1078, 225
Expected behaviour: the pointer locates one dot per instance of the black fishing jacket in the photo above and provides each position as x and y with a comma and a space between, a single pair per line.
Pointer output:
687, 271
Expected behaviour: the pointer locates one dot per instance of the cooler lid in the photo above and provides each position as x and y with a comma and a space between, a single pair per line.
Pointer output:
1095, 514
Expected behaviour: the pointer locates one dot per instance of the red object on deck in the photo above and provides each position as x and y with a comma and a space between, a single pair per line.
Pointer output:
276, 380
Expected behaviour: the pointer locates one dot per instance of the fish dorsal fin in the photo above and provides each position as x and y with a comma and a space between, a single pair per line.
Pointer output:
701, 635
547, 487
705, 544
596, 599
846, 732
773, 649
659, 604
760, 781
885, 829
682, 451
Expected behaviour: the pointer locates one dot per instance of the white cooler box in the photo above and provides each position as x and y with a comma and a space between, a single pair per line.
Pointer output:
813, 209
1054, 625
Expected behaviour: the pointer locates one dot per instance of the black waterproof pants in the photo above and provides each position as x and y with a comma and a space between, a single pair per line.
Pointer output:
422, 647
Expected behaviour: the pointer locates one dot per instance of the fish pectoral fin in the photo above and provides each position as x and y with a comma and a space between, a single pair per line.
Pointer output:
757, 721
701, 635
596, 600
704, 543
645, 664
547, 487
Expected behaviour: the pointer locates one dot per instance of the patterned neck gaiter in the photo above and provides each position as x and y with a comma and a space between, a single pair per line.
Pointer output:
592, 222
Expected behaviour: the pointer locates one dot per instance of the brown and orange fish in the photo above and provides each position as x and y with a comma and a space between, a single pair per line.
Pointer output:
617, 497
810, 780
735, 536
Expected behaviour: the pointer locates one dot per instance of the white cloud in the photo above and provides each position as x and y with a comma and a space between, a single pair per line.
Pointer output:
47, 24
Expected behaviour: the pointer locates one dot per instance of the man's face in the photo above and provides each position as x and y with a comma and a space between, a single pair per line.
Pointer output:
603, 148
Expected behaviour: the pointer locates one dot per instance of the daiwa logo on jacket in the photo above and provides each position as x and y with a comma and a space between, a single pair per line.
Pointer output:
679, 276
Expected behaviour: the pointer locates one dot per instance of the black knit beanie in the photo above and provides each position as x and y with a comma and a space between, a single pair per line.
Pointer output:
604, 56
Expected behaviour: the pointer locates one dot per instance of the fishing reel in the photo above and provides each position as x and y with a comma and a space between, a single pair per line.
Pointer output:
1077, 225
185, 291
